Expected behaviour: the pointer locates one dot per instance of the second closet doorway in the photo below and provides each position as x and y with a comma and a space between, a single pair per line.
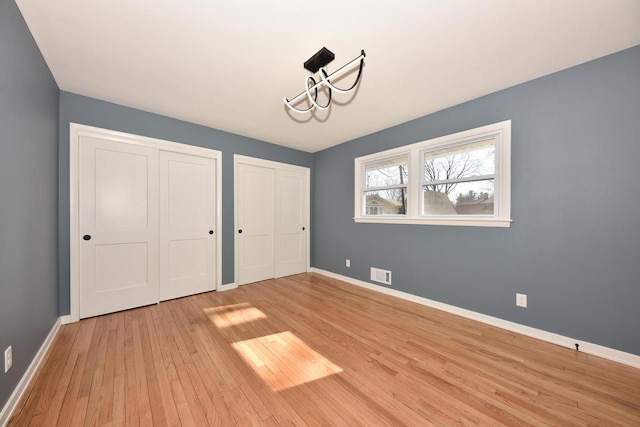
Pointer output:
271, 219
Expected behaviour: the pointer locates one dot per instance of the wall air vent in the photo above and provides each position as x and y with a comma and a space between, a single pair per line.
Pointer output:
381, 276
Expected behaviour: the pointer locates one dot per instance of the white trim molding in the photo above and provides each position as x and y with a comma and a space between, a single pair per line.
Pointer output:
26, 379
561, 340
227, 287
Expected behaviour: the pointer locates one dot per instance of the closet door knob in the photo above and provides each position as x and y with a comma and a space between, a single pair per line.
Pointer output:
210, 231
240, 231
302, 228
86, 237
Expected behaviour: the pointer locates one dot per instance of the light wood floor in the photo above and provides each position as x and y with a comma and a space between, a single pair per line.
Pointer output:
309, 350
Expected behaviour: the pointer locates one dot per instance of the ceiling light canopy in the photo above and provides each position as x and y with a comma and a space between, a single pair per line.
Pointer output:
318, 62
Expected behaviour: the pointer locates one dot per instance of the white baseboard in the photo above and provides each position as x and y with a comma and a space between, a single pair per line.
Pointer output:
586, 347
15, 397
65, 320
226, 287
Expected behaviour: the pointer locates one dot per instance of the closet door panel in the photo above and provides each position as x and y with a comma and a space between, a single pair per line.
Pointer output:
290, 223
255, 231
118, 222
187, 221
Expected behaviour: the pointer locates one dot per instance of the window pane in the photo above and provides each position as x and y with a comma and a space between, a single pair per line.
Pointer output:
386, 173
464, 198
462, 161
386, 202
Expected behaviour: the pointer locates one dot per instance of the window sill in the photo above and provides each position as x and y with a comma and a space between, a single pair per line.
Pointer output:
466, 222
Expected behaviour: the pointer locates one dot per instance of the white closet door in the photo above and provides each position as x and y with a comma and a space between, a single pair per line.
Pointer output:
187, 220
118, 225
290, 223
254, 228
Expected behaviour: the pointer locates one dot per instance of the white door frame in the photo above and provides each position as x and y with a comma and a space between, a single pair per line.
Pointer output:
237, 158
75, 132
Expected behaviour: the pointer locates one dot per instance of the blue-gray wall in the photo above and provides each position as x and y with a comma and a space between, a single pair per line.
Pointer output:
28, 197
574, 245
573, 248
88, 111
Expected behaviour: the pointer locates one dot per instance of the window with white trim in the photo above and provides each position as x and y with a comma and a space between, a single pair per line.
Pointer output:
459, 179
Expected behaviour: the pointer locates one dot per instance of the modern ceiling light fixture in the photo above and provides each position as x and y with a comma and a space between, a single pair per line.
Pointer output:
318, 62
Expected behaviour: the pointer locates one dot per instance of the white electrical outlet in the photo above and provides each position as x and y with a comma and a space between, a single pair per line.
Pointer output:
348, 263
8, 359
521, 300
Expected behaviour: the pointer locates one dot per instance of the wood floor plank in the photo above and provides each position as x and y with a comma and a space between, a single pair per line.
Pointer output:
93, 375
152, 375
183, 351
132, 397
309, 350
165, 404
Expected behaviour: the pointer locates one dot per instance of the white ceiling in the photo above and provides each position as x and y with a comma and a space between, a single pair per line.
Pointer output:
228, 64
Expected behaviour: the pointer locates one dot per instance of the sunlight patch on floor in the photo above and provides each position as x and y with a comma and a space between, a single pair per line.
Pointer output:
235, 314
283, 360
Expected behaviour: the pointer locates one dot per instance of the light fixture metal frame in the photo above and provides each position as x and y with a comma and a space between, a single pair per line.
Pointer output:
326, 81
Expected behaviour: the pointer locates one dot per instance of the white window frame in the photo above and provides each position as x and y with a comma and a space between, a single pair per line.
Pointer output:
499, 132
